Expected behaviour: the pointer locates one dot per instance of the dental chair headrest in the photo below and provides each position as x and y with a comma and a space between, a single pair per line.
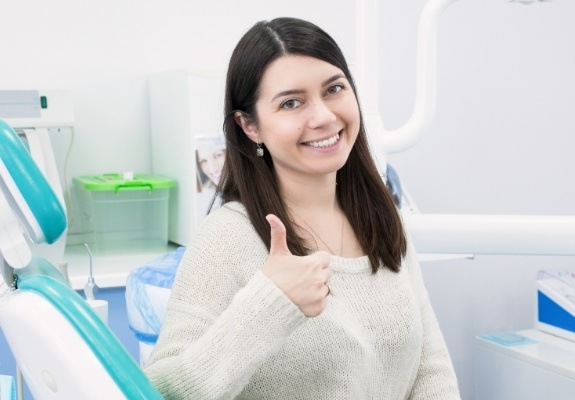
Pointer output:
30, 198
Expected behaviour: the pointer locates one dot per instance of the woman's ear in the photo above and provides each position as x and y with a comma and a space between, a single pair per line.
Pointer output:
247, 125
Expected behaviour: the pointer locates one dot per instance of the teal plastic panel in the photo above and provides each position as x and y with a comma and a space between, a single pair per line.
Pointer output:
32, 184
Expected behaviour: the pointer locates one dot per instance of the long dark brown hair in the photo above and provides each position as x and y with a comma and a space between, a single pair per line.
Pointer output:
251, 180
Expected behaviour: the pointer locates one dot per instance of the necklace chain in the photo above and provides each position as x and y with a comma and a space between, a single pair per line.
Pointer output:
319, 237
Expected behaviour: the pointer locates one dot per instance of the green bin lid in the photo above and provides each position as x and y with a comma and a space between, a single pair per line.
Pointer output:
115, 182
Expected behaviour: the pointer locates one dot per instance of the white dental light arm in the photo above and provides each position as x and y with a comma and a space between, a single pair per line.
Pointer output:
443, 233
367, 45
397, 140
387, 142
492, 234
425, 85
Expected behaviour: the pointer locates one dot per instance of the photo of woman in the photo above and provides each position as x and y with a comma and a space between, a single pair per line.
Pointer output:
210, 157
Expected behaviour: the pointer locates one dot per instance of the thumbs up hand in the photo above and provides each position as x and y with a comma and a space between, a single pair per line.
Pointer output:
302, 279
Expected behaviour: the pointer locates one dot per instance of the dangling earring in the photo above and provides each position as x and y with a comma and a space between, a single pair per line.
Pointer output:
259, 151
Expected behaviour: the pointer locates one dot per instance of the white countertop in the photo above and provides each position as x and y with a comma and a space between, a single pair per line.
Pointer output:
550, 352
109, 270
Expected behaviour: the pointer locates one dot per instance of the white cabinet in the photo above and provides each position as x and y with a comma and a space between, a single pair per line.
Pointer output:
184, 104
544, 370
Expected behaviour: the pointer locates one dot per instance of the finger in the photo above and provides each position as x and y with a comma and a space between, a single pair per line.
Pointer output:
323, 258
278, 243
327, 274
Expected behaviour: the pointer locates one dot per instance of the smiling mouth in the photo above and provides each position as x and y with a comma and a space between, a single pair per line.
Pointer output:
324, 143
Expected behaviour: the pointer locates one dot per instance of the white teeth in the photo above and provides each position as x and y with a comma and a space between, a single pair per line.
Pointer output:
325, 143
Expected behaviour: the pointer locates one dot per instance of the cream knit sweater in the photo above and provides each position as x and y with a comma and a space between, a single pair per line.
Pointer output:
231, 333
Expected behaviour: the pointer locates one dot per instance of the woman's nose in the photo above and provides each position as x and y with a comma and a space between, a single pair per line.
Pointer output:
211, 166
320, 115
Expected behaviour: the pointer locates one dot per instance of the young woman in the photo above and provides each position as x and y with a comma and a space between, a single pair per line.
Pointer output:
303, 285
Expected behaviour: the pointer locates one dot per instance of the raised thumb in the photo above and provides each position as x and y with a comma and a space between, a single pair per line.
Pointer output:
278, 243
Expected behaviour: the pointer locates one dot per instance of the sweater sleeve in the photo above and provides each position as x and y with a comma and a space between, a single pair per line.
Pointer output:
219, 329
436, 378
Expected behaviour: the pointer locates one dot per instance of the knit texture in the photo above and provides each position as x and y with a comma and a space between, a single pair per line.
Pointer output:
230, 333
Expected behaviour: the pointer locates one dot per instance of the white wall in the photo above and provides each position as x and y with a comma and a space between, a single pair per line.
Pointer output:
104, 52
501, 143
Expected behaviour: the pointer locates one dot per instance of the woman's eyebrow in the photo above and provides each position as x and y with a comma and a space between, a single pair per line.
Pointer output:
300, 91
288, 93
332, 79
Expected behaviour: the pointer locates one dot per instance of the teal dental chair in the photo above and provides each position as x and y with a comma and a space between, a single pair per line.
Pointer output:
64, 350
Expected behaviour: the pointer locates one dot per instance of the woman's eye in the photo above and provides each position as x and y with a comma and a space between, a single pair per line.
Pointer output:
290, 104
335, 89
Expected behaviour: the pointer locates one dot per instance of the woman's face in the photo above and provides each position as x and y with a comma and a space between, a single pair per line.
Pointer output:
307, 117
211, 162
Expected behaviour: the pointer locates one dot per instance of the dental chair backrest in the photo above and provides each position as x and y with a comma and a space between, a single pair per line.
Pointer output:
64, 350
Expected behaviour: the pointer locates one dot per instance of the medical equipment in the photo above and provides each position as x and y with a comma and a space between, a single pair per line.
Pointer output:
64, 350
542, 370
39, 117
441, 233
91, 289
534, 363
367, 44
556, 303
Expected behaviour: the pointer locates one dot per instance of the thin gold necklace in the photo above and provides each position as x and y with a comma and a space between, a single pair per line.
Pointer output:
319, 237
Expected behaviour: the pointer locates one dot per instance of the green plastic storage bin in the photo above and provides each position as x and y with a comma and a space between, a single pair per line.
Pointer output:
124, 215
